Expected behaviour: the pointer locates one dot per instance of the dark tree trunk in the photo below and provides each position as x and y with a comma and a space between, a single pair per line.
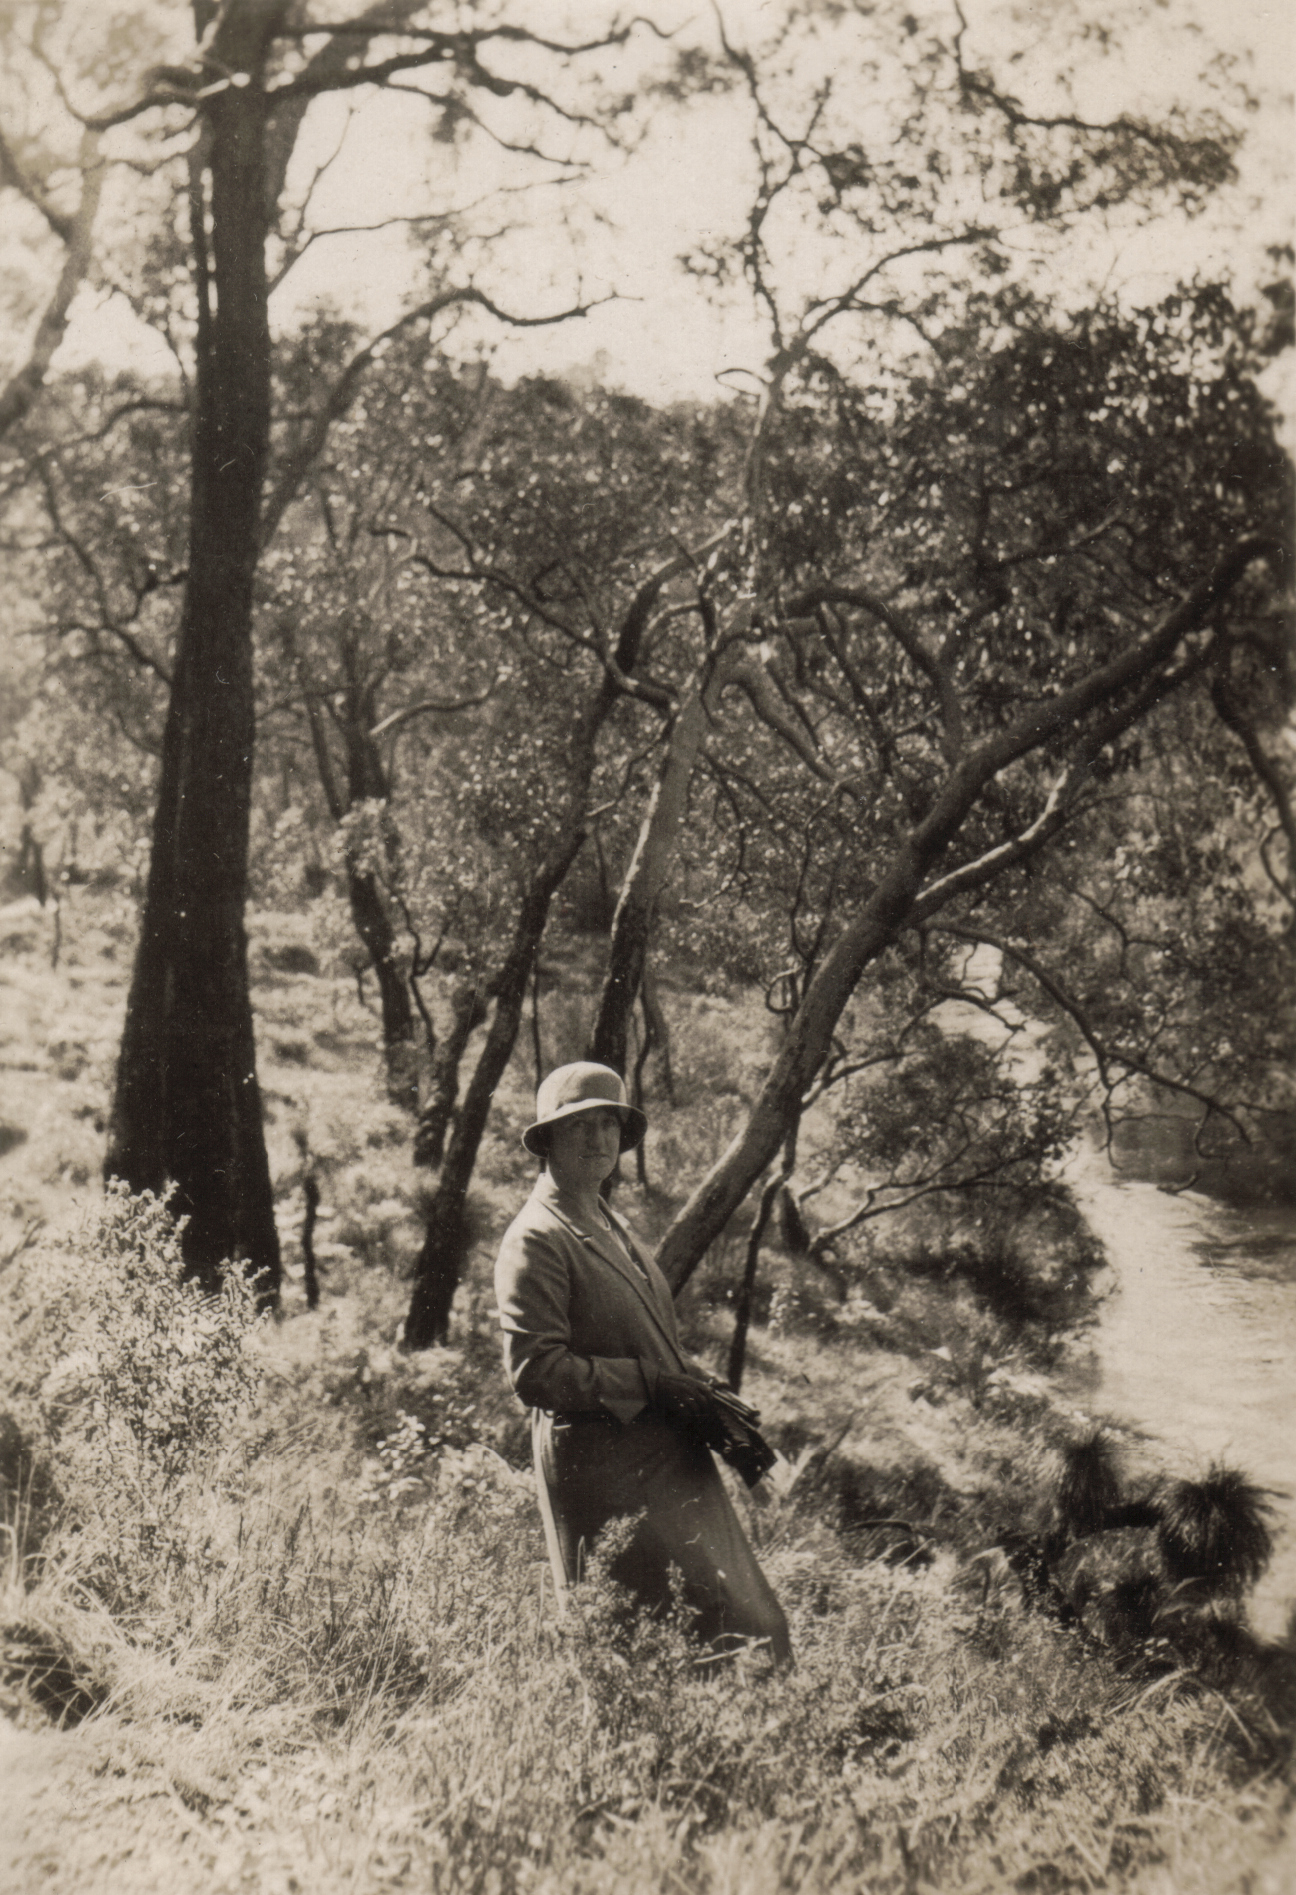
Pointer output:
187, 1107
311, 1195
369, 781
369, 912
442, 1257
366, 780
747, 1288
468, 1010
29, 872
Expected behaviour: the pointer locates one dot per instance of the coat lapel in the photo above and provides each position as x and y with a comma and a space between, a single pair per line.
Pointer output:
611, 1253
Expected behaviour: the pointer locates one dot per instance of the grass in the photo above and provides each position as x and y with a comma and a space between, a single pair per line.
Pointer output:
330, 1660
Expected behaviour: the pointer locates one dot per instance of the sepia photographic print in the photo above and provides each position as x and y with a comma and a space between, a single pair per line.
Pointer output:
647, 902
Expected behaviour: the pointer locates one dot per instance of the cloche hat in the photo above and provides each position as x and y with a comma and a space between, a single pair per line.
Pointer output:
582, 1087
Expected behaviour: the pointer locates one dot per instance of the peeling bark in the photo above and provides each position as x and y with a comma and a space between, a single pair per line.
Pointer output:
650, 865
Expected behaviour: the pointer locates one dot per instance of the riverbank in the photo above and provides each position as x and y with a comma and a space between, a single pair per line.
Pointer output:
1194, 1346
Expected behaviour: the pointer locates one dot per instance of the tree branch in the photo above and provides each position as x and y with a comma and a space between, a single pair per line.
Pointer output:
909, 641
398, 719
1104, 1057
340, 397
12, 174
77, 233
1267, 773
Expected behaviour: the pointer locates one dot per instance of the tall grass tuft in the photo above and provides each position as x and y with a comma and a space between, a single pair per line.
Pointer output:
1214, 1533
1088, 1490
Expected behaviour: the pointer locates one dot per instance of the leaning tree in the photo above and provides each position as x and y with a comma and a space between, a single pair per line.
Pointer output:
1046, 674
1039, 549
568, 539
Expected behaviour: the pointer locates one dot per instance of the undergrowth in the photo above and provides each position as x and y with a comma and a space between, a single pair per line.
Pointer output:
337, 1641
284, 1593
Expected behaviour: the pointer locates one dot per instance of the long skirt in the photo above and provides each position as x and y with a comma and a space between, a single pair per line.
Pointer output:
592, 1471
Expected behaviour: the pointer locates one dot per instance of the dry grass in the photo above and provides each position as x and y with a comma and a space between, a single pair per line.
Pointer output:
338, 1668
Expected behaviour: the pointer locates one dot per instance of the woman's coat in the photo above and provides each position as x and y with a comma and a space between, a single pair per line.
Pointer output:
582, 1321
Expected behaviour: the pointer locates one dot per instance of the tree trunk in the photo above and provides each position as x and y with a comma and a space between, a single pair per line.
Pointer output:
649, 869
445, 1247
468, 1010
372, 924
1121, 693
310, 1269
444, 1250
187, 1107
21, 391
747, 1288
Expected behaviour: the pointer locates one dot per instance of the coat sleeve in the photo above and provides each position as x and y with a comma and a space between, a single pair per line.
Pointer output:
532, 1287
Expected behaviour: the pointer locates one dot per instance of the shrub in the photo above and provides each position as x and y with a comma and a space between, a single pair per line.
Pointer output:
131, 1375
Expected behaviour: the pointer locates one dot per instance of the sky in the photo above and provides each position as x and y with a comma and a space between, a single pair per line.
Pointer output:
661, 337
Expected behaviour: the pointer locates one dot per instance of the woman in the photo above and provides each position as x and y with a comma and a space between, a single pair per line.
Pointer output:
619, 1416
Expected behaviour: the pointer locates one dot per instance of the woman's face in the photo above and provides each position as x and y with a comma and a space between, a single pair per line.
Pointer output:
584, 1148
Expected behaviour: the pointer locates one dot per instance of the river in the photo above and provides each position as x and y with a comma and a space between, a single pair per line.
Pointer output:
1195, 1343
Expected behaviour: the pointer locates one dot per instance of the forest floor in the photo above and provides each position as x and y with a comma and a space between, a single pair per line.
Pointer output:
335, 1664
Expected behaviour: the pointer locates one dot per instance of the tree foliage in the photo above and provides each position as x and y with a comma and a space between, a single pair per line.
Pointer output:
963, 644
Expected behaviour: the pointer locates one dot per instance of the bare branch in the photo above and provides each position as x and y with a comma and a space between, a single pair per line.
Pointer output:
16, 399
397, 719
1175, 148
1105, 1058
909, 641
753, 682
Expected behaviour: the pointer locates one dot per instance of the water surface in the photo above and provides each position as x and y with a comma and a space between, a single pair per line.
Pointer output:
1195, 1343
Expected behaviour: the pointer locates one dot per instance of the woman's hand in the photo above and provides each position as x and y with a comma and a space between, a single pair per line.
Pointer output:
686, 1403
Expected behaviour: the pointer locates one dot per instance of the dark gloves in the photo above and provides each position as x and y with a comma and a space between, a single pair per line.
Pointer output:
713, 1415
686, 1403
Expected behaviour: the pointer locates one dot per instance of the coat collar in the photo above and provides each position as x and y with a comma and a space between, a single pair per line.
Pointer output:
638, 1275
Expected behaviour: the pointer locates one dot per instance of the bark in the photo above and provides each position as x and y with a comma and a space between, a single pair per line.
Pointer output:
445, 1247
368, 781
1144, 673
30, 871
747, 1288
187, 1106
372, 924
310, 1269
644, 881
468, 1010
24, 386
651, 863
